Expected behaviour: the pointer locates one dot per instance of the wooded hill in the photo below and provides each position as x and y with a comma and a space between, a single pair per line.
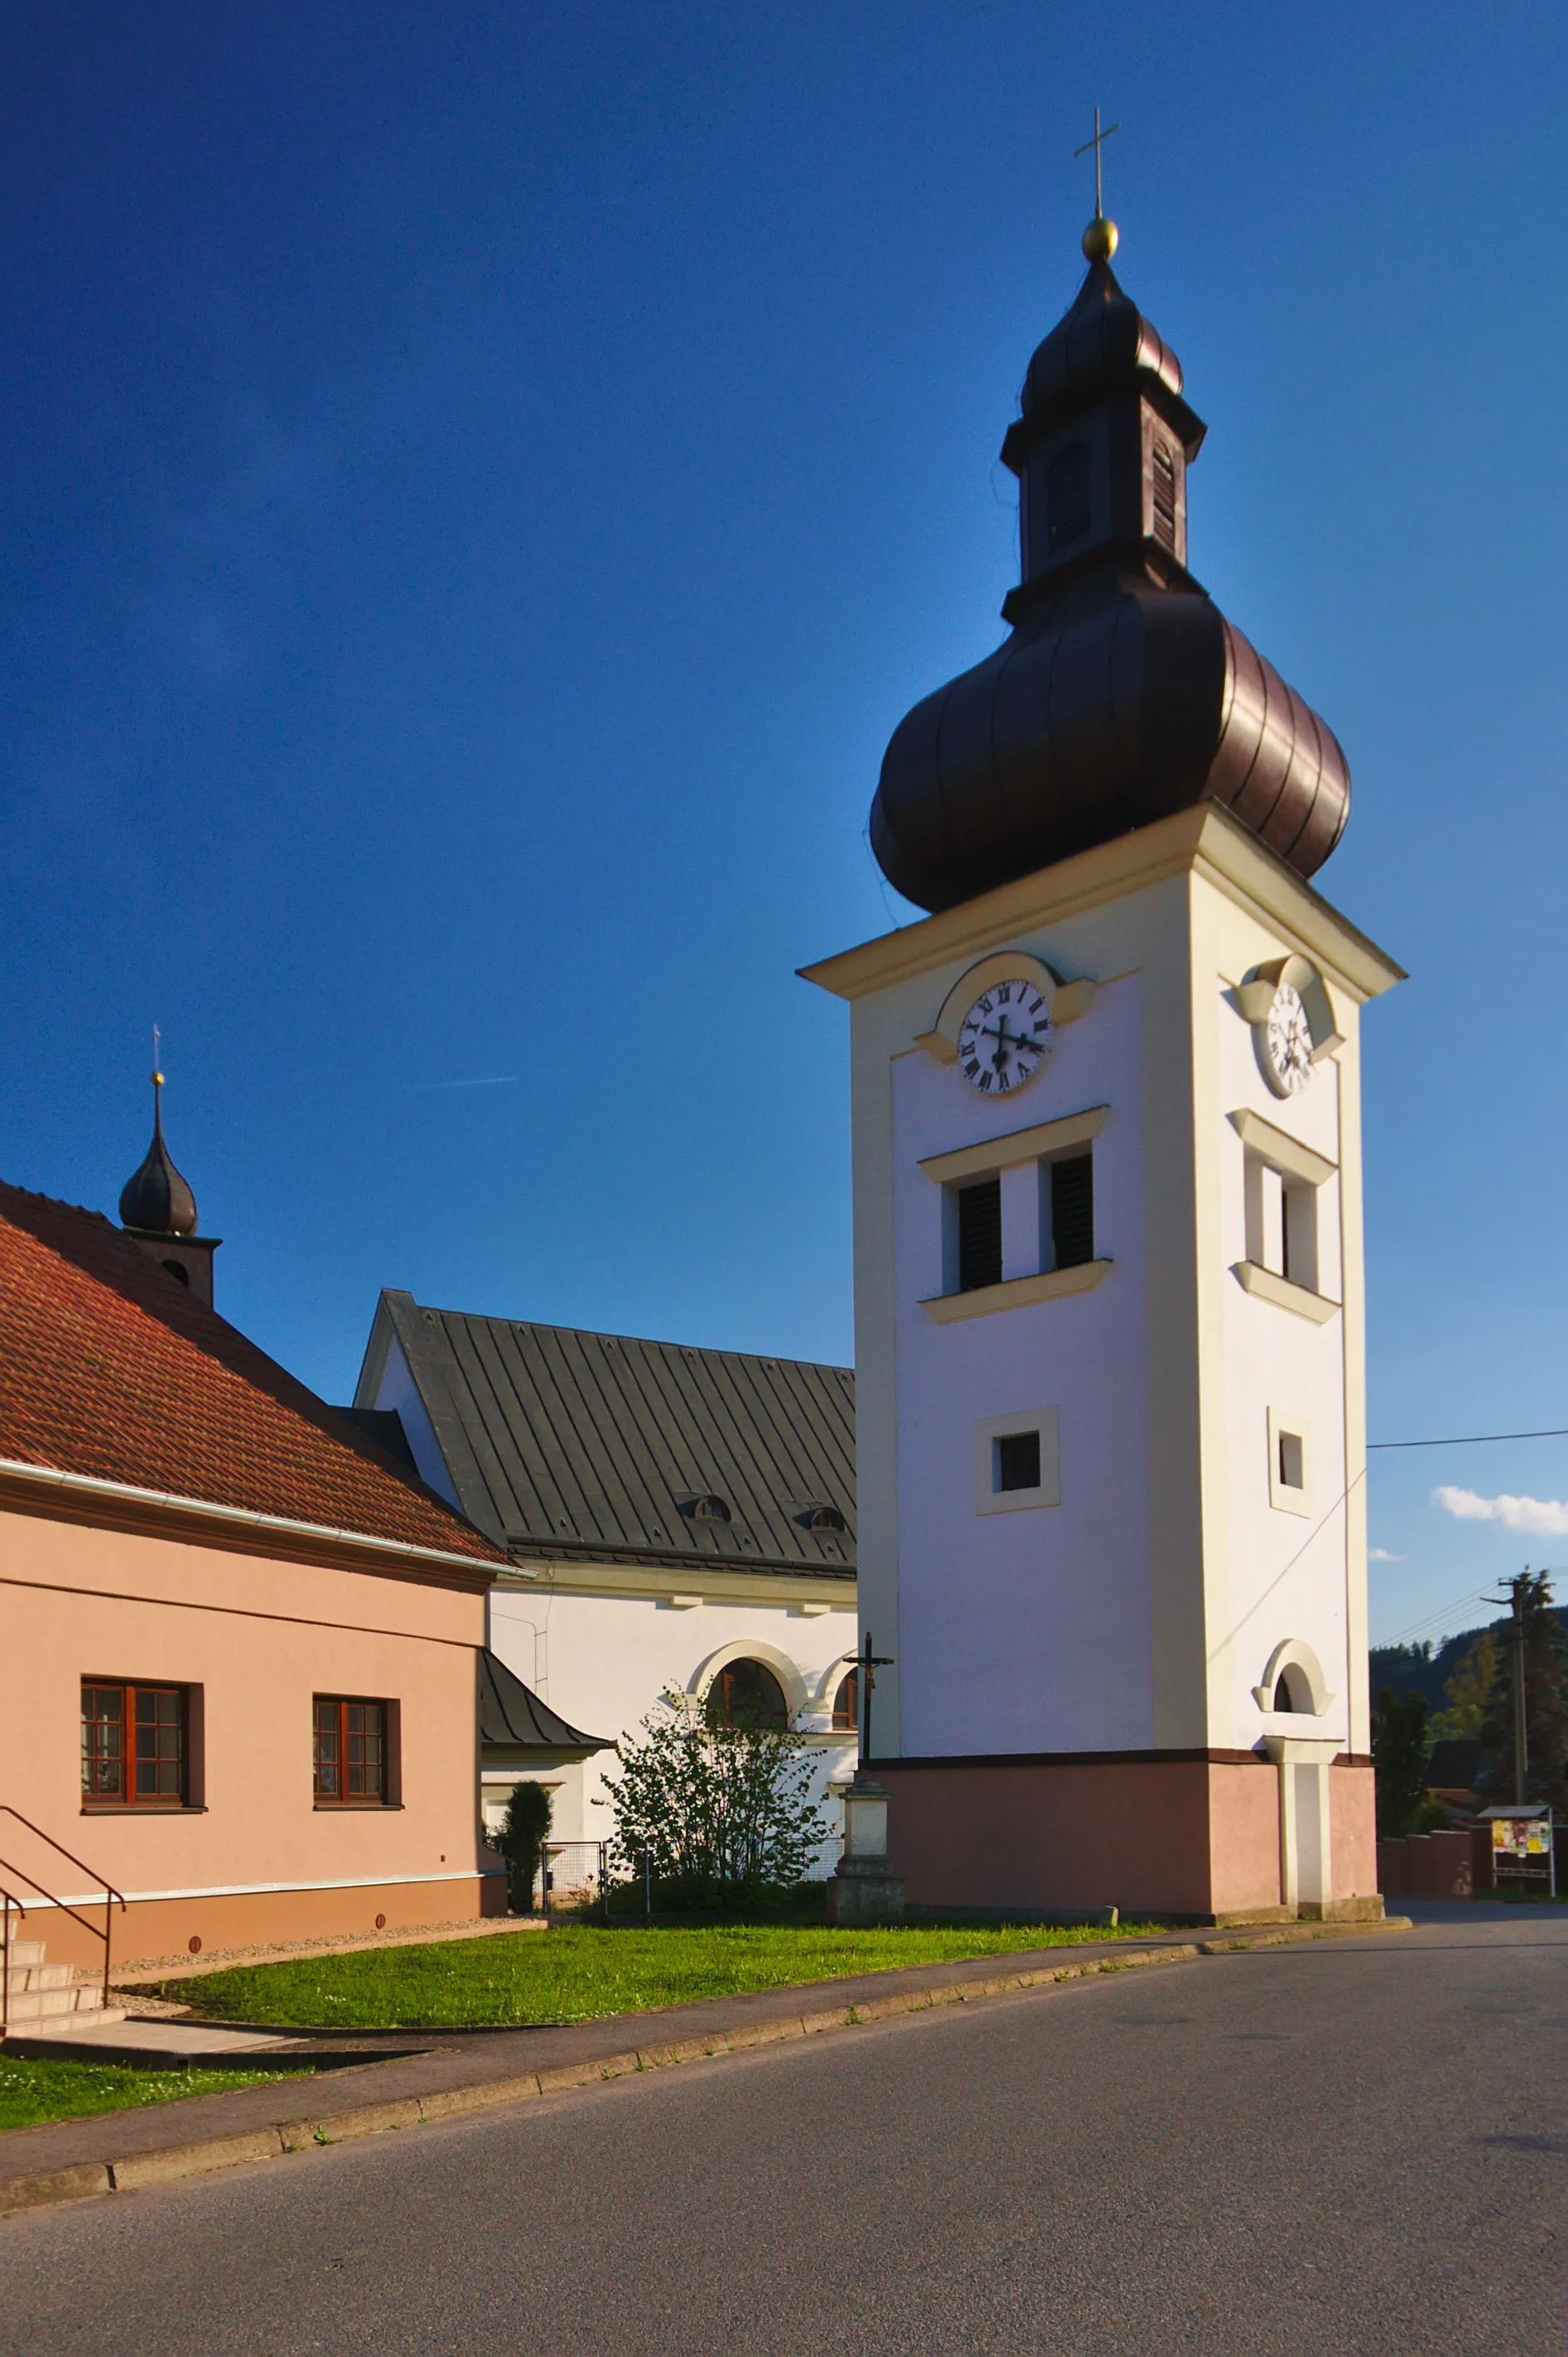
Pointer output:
1418, 1668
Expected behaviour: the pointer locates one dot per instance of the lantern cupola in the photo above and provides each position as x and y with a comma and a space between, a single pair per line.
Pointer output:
1122, 693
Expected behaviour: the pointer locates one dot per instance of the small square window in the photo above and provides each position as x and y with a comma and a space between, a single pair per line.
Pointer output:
1018, 1460
1290, 1463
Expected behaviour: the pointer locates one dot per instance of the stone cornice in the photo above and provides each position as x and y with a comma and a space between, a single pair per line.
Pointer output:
695, 1584
1204, 840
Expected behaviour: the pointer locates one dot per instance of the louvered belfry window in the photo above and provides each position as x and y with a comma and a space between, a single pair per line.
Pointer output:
1068, 507
1163, 496
1072, 1211
980, 1235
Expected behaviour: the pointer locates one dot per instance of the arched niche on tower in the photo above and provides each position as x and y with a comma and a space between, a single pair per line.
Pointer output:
1293, 1665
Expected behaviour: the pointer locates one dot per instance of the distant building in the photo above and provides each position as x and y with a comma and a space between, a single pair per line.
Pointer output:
670, 1517
1453, 1771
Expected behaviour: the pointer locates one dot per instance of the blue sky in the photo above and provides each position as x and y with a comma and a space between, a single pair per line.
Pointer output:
482, 485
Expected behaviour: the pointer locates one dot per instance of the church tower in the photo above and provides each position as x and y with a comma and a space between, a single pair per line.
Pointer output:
157, 1212
1109, 1299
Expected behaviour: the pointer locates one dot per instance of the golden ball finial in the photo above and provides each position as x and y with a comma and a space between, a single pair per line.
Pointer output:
1100, 239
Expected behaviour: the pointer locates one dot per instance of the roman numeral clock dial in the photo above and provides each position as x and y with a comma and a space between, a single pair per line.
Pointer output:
1287, 1043
1004, 1039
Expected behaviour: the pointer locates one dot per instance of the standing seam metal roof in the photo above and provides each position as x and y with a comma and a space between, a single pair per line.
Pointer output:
572, 1444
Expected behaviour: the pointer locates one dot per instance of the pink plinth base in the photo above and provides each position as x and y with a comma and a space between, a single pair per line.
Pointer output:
1190, 1837
166, 1927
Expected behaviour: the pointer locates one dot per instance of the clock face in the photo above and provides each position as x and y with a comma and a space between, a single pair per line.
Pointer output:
1004, 1039
1288, 1042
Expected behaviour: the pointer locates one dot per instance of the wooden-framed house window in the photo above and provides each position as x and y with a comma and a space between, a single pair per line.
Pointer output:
350, 1753
134, 1745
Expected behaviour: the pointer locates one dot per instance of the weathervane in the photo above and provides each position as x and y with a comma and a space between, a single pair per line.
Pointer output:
1100, 237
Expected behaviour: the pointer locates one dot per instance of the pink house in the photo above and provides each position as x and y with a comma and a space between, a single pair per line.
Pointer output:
239, 1644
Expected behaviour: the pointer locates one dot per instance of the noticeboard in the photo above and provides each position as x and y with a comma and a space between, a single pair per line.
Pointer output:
1522, 1836
1523, 1852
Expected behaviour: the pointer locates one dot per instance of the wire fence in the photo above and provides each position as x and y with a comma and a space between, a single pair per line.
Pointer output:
573, 1874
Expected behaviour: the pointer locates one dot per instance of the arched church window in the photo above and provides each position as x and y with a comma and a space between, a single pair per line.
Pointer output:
710, 1509
747, 1694
1283, 1699
825, 1518
1068, 511
846, 1704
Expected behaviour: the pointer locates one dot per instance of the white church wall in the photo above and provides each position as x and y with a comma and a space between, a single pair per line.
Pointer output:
1026, 1631
601, 1660
1289, 1562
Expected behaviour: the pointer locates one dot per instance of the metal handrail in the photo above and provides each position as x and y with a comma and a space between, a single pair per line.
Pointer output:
9, 1900
110, 1896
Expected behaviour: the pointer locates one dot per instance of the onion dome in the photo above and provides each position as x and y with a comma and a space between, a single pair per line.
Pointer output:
155, 1199
1122, 693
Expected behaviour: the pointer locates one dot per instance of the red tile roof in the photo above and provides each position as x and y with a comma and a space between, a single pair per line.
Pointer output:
110, 1368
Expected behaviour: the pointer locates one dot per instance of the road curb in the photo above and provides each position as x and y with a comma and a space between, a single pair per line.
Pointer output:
48, 2189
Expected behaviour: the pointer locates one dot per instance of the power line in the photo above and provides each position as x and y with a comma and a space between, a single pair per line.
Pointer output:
1467, 1440
1434, 1619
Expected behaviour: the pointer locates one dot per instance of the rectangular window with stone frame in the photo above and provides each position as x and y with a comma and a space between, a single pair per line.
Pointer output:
134, 1745
352, 1751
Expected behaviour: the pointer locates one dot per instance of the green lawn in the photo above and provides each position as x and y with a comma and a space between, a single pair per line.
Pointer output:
34, 2091
577, 1973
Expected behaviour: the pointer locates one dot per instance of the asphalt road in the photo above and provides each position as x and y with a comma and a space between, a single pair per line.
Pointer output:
1361, 2146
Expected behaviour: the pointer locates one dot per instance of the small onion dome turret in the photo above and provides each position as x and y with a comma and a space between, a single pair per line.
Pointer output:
155, 1199
1122, 693
1103, 345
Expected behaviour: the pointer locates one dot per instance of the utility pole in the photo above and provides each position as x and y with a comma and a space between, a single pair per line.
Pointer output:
1515, 1599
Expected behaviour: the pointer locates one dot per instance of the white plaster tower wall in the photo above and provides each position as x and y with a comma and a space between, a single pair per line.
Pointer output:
1140, 1614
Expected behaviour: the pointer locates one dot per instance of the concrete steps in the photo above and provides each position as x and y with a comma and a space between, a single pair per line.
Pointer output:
44, 2000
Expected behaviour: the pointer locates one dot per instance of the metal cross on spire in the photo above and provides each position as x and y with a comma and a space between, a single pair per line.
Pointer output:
1097, 143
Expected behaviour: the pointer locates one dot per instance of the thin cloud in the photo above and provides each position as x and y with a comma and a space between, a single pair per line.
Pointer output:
1382, 1555
495, 1080
1548, 1515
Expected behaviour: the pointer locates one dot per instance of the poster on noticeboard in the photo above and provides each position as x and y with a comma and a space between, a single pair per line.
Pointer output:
1522, 1836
